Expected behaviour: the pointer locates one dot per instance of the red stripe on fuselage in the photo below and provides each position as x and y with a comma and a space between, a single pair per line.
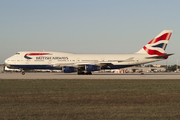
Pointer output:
32, 54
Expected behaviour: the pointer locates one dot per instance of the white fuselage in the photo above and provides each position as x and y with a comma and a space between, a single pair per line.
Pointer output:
60, 59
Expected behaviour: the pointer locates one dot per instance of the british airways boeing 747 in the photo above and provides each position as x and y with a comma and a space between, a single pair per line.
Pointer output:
86, 63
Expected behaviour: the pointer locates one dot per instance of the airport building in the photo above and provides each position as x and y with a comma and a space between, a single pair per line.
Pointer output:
137, 70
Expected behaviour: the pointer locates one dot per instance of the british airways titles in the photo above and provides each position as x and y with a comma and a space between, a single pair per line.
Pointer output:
51, 58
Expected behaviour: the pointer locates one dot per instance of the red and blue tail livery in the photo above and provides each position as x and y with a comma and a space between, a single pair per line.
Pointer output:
157, 45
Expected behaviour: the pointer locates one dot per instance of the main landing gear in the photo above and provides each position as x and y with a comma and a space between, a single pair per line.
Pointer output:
22, 72
84, 73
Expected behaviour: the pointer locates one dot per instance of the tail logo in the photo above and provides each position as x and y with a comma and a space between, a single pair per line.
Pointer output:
158, 45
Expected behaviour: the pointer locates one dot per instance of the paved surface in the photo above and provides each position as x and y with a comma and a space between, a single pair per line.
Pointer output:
93, 76
1, 69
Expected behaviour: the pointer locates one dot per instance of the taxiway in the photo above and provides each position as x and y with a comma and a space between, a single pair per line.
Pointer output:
18, 75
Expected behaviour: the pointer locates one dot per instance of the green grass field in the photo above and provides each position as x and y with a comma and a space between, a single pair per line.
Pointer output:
89, 99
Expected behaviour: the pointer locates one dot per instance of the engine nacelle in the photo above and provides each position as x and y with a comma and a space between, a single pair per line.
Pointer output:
92, 68
67, 69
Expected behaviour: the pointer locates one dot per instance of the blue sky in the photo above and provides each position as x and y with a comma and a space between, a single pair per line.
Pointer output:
82, 26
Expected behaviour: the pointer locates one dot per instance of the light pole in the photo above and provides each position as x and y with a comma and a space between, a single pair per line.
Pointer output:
166, 65
177, 66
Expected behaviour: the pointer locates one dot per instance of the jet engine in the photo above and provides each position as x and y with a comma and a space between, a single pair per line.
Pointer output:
67, 69
92, 68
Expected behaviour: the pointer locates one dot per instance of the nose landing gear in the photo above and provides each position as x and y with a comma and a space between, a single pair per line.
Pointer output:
22, 72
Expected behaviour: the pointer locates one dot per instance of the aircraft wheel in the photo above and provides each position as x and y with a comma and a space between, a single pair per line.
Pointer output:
23, 73
89, 73
80, 73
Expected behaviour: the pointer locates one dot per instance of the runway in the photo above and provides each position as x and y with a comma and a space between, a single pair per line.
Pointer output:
18, 75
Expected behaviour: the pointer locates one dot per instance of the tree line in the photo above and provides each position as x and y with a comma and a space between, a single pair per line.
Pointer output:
167, 67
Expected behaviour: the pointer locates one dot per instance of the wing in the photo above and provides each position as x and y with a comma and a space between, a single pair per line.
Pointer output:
83, 64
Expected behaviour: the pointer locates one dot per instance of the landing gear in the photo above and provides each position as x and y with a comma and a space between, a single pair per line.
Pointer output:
80, 73
88, 73
23, 73
84, 73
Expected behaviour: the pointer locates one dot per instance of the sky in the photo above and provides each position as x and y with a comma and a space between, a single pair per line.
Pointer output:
87, 26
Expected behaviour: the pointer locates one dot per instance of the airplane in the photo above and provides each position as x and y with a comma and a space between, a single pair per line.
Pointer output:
84, 64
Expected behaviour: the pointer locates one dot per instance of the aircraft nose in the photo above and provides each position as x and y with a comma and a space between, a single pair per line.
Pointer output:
6, 61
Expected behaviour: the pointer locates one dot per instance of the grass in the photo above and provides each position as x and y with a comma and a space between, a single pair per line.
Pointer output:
89, 99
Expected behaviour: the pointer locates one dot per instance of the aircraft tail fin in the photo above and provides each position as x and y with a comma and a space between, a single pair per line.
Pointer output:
158, 44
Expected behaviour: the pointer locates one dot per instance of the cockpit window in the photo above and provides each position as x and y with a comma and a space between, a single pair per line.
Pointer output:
17, 53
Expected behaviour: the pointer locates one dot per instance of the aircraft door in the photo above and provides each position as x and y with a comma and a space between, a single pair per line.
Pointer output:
77, 59
102, 59
27, 61
137, 60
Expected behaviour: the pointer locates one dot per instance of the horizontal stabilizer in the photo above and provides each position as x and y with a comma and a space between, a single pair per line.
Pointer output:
160, 56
